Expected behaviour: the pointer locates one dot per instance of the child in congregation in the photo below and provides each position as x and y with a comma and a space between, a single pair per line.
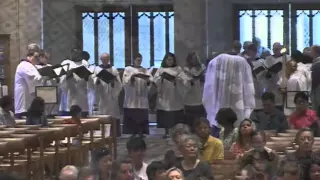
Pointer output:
75, 112
36, 113
156, 170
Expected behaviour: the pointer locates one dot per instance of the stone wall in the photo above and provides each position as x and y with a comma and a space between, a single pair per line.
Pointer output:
60, 17
21, 19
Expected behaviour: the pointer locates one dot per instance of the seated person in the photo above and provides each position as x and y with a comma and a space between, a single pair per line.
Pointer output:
290, 171
156, 170
243, 142
314, 172
226, 118
304, 155
303, 116
75, 112
211, 148
315, 127
259, 160
36, 113
270, 118
6, 115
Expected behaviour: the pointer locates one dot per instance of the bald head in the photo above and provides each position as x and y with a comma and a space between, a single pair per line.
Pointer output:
315, 51
277, 49
105, 58
69, 173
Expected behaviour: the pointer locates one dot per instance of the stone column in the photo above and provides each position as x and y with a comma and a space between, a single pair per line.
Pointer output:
220, 26
190, 28
30, 24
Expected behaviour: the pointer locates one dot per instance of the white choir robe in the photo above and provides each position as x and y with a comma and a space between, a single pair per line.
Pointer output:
296, 82
92, 91
75, 88
306, 70
170, 95
271, 83
106, 96
259, 83
51, 109
194, 94
136, 93
228, 84
26, 79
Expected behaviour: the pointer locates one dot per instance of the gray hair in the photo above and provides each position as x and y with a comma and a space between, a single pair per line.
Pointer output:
179, 129
33, 47
69, 173
174, 169
183, 139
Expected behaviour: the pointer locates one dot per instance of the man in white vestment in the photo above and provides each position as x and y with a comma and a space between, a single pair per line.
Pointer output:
26, 79
294, 82
228, 84
273, 79
261, 50
75, 88
51, 109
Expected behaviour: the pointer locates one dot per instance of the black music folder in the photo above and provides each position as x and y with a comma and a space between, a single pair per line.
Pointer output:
168, 76
82, 72
52, 71
142, 76
274, 69
106, 76
258, 70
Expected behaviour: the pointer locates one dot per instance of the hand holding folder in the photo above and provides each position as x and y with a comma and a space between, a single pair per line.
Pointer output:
142, 76
106, 76
168, 76
82, 72
55, 71
276, 68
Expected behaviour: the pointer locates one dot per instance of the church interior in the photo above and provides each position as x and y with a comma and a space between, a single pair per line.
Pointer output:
151, 28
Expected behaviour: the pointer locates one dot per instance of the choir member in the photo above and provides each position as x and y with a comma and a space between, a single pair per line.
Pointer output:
91, 92
51, 109
75, 88
170, 81
303, 65
107, 93
259, 81
229, 83
136, 84
193, 107
27, 78
273, 78
315, 52
261, 50
294, 81
236, 47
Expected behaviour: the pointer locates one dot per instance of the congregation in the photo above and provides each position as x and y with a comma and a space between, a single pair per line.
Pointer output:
231, 109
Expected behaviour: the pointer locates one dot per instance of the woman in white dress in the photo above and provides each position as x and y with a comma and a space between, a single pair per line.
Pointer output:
193, 107
170, 81
136, 84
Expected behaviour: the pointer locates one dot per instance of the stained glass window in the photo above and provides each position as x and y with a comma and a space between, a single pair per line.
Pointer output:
110, 32
110, 36
302, 27
144, 38
88, 34
153, 42
267, 25
307, 20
